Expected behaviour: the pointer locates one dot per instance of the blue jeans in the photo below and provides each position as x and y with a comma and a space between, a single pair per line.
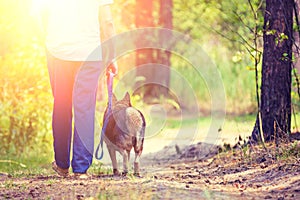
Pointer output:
74, 84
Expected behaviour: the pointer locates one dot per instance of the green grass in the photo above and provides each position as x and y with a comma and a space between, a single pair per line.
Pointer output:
31, 168
232, 124
29, 163
33, 165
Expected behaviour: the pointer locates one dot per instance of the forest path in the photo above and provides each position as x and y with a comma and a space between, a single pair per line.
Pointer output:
175, 173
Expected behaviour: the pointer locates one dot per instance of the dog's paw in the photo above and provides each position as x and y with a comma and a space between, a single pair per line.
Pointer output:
137, 174
116, 172
124, 173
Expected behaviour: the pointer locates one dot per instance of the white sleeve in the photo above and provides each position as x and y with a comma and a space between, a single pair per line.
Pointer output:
105, 2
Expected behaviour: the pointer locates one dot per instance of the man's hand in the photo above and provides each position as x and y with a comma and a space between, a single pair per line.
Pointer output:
113, 68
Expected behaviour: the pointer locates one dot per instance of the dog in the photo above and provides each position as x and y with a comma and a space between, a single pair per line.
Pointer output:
125, 130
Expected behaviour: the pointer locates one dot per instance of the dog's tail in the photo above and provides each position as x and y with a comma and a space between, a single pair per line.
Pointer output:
138, 140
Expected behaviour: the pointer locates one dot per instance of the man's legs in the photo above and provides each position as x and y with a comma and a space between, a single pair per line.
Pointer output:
84, 97
62, 76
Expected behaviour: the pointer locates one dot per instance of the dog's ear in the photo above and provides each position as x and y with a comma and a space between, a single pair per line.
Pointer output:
126, 99
114, 98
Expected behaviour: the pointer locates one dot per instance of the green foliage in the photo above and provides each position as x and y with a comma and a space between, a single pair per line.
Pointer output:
124, 14
25, 98
236, 77
225, 31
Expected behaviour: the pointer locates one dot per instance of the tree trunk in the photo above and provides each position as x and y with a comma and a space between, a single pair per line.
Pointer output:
157, 75
297, 37
275, 107
163, 57
144, 18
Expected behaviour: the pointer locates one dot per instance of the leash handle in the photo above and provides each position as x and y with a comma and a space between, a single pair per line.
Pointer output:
109, 83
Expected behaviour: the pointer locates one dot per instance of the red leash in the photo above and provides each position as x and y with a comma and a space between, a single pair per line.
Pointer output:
109, 83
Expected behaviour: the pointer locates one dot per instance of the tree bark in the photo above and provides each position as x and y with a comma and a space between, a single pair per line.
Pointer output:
144, 18
163, 56
157, 77
275, 107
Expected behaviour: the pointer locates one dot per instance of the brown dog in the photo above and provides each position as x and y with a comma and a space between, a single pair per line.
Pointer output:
125, 130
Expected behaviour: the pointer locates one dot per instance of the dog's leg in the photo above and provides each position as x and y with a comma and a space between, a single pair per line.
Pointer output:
137, 164
128, 153
112, 154
125, 162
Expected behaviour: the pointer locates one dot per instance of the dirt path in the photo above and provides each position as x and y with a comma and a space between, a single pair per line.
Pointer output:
193, 172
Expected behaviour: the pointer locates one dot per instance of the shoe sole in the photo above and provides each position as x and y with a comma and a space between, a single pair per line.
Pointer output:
58, 170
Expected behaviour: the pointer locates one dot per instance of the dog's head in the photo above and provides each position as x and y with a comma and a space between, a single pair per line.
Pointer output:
125, 102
